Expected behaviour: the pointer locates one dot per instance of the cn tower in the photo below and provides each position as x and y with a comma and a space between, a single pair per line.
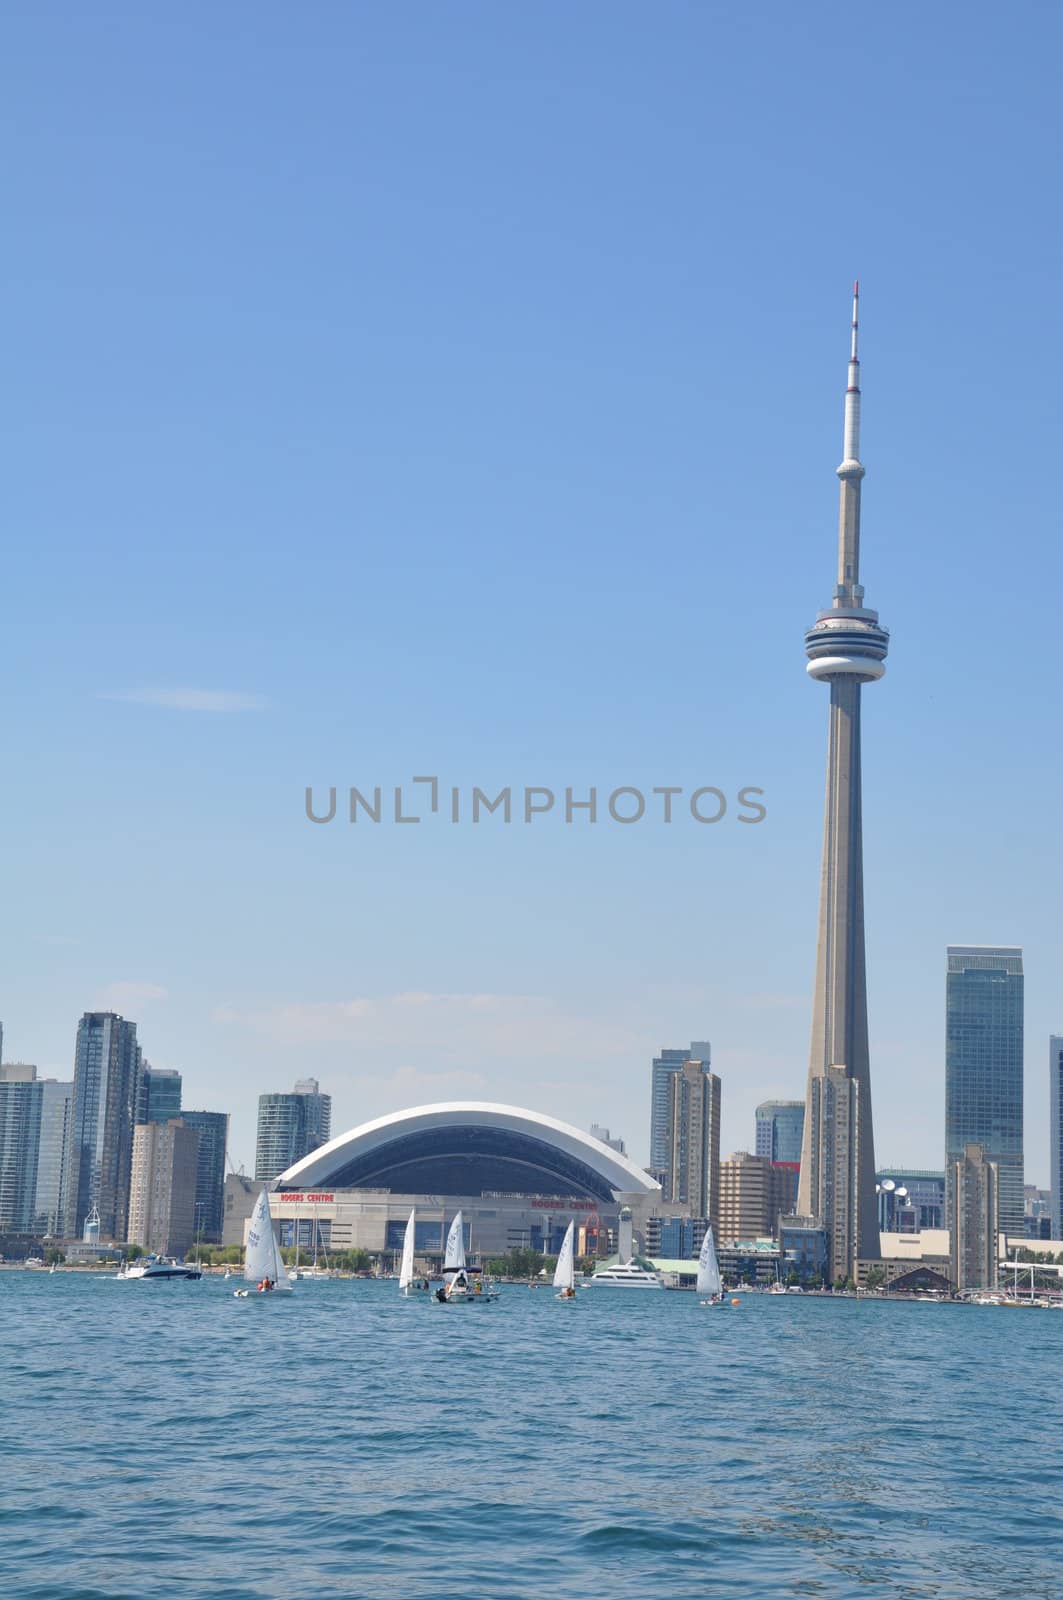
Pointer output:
846, 648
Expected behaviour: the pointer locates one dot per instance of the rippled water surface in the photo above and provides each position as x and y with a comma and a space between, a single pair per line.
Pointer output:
168, 1440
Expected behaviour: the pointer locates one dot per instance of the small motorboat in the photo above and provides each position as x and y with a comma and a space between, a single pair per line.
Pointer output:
156, 1267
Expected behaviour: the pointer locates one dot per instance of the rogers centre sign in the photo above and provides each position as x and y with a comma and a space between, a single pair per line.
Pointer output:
310, 1199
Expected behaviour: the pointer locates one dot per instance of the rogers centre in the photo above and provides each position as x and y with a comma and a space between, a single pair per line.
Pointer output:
518, 1176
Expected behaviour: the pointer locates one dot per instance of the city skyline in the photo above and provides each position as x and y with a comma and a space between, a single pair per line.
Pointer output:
777, 1114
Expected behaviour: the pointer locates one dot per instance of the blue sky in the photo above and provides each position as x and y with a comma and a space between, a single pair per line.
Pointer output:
458, 390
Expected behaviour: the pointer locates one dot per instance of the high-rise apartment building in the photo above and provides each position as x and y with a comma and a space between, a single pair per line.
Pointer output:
745, 1197
846, 648
162, 1194
52, 1151
973, 1185
159, 1099
754, 1193
983, 1069
665, 1066
780, 1127
107, 1064
20, 1132
290, 1126
213, 1130
694, 1157
1055, 1131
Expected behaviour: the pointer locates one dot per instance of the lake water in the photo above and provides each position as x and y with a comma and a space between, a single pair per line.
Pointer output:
167, 1440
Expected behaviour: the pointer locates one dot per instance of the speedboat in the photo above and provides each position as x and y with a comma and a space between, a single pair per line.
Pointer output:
159, 1267
624, 1275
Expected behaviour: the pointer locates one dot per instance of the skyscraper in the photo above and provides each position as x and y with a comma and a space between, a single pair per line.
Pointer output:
983, 1069
665, 1066
52, 1152
162, 1191
846, 648
1055, 1130
694, 1156
107, 1065
213, 1130
290, 1126
973, 1182
780, 1125
20, 1132
160, 1094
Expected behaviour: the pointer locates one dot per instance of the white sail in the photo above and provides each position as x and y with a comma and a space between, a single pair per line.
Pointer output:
565, 1271
406, 1269
455, 1256
263, 1258
709, 1280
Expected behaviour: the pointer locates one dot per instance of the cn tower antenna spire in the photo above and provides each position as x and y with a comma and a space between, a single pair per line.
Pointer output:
849, 592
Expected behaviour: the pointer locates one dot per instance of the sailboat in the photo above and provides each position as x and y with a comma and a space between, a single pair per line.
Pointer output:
710, 1284
462, 1284
407, 1283
263, 1265
565, 1271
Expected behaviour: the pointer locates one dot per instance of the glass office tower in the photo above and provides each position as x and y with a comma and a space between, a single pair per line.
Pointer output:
983, 1069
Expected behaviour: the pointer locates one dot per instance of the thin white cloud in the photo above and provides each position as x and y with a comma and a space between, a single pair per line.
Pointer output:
214, 700
465, 1030
126, 996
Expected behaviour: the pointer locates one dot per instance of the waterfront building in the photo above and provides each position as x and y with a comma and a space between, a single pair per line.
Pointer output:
159, 1099
1055, 1130
910, 1262
975, 1192
213, 1130
846, 648
803, 1248
780, 1126
20, 1132
984, 1068
291, 1126
664, 1068
107, 1065
678, 1238
694, 1119
56, 1100
598, 1132
162, 1193
516, 1175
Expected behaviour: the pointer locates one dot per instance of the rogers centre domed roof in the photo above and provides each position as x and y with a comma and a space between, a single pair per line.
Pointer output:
470, 1147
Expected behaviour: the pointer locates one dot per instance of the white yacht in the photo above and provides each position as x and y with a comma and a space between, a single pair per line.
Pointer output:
624, 1275
159, 1267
